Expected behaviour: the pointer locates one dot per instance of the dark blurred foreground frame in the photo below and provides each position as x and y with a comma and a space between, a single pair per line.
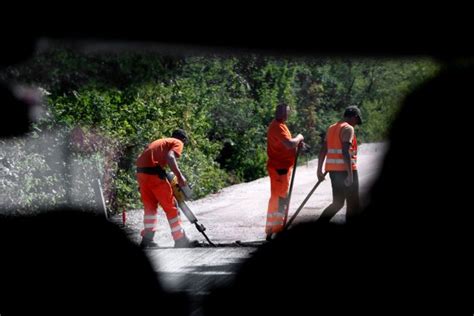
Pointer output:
409, 251
69, 262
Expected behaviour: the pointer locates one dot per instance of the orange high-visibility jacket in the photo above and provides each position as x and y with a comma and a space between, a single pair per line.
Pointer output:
334, 158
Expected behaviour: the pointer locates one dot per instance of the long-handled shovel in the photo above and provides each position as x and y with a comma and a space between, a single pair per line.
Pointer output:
291, 186
304, 202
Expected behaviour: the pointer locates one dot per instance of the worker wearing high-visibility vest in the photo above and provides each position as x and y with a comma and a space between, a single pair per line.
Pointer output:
281, 151
155, 188
340, 151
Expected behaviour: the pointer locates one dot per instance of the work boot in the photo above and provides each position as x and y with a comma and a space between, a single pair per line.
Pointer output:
147, 240
184, 242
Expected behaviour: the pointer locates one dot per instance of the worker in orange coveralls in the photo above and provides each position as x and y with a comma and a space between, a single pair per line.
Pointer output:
155, 188
281, 151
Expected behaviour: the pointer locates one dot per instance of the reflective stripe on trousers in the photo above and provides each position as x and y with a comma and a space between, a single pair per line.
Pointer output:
154, 191
339, 161
176, 230
279, 185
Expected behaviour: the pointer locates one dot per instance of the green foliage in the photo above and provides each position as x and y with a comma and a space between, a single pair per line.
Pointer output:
121, 102
202, 172
27, 181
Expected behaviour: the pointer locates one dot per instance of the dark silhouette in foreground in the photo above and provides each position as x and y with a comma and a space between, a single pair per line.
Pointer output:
68, 262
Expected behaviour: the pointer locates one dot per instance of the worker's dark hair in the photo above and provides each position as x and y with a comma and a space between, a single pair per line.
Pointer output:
181, 135
280, 110
353, 111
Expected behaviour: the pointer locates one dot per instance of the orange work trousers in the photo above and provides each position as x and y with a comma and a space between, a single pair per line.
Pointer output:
154, 191
279, 184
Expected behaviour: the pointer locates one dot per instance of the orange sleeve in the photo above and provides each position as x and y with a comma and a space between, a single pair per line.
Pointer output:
177, 147
283, 133
279, 133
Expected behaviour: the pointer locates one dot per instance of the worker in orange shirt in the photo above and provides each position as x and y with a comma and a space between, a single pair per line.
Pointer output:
155, 188
281, 151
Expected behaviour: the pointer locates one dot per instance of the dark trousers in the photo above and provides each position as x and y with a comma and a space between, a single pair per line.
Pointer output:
340, 194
